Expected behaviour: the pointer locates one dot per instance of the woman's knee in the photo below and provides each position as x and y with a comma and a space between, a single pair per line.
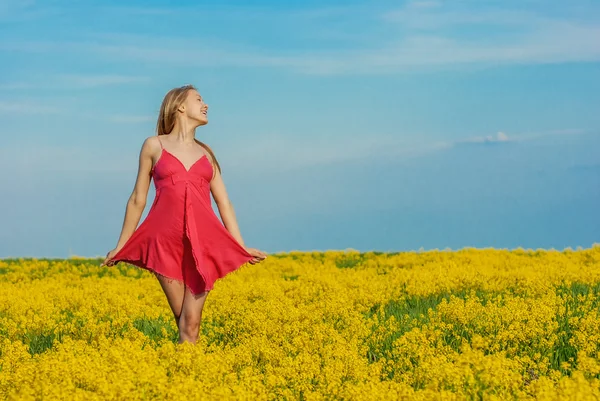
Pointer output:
190, 325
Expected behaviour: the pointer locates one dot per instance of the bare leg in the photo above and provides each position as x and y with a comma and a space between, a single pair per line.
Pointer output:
191, 315
174, 290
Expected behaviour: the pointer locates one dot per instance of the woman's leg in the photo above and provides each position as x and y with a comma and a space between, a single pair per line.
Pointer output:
191, 315
174, 290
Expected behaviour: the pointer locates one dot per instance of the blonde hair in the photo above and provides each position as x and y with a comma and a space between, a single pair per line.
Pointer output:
168, 110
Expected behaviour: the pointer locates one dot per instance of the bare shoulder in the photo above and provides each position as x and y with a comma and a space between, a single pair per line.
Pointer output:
151, 145
206, 146
211, 153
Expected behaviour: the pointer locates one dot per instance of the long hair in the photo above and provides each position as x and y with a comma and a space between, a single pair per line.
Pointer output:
168, 110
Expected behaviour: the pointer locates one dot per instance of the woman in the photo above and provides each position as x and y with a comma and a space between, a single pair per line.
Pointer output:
181, 240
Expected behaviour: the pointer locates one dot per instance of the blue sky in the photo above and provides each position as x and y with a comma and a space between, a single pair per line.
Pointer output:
383, 125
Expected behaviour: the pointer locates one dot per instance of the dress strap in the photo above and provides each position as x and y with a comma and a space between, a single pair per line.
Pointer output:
159, 141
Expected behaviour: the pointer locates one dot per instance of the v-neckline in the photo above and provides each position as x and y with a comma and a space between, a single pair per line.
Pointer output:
179, 161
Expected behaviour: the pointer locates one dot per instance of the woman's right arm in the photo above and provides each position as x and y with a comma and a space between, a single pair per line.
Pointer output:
137, 201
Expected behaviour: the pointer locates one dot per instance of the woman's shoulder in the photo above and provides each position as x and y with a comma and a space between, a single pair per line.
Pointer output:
151, 143
208, 149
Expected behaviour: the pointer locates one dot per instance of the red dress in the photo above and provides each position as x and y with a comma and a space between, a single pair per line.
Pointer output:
181, 237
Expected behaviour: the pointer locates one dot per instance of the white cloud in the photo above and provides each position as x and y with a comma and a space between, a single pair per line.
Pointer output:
420, 36
73, 81
130, 119
25, 11
238, 12
27, 106
292, 152
424, 4
11, 7
88, 80
38, 107
499, 137
16, 85
420, 18
257, 155
45, 158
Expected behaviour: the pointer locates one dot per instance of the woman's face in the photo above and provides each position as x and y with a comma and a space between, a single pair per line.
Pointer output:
195, 107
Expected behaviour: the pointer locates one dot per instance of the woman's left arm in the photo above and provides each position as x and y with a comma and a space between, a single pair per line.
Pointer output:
226, 210
217, 187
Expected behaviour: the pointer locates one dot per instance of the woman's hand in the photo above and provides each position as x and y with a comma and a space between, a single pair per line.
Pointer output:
258, 255
109, 256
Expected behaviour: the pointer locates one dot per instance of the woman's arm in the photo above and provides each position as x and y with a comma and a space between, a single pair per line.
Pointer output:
137, 200
219, 192
217, 187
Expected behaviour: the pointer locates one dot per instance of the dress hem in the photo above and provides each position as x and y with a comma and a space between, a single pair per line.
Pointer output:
140, 264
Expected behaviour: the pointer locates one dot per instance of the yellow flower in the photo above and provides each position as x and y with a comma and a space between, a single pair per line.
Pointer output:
445, 325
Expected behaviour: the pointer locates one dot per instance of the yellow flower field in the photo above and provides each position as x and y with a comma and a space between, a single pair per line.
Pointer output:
459, 325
